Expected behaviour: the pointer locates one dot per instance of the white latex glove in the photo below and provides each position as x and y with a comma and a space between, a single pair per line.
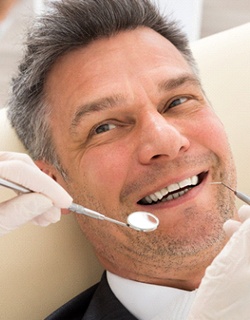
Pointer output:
42, 207
224, 293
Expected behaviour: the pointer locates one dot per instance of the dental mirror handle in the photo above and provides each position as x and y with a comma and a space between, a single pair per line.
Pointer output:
73, 207
14, 186
151, 221
93, 214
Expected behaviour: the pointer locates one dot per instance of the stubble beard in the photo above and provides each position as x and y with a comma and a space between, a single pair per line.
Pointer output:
189, 246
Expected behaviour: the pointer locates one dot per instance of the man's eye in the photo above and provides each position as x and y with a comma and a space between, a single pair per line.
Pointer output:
104, 128
177, 102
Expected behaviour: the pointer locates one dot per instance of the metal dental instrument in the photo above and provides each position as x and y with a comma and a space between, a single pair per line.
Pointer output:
139, 220
242, 196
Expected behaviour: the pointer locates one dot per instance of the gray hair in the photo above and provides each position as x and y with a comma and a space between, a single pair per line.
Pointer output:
66, 26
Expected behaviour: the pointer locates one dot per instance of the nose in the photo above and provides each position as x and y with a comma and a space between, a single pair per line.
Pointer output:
160, 138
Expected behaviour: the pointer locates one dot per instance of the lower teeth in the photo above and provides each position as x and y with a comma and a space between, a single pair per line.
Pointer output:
168, 197
173, 196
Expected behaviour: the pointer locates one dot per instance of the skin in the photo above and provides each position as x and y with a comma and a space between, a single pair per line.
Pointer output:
129, 118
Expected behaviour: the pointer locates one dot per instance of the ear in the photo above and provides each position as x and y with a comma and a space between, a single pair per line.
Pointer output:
46, 168
51, 171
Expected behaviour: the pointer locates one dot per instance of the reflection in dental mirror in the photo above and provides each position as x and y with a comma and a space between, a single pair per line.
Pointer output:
143, 221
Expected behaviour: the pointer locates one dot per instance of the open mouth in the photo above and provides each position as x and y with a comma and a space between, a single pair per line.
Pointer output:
173, 191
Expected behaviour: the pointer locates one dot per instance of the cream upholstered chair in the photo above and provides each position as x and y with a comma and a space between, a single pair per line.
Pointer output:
224, 62
41, 268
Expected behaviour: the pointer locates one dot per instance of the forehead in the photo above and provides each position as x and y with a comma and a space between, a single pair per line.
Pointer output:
110, 65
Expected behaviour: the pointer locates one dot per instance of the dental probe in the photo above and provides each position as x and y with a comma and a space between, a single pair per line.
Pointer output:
139, 220
242, 196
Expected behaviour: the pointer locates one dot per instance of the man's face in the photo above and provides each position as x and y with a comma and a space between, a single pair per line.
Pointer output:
135, 132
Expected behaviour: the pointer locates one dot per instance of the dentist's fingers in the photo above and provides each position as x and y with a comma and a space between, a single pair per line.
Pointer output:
244, 213
6, 155
224, 290
52, 215
19, 168
231, 226
24, 208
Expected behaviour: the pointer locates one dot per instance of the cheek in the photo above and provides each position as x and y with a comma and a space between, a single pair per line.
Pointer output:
107, 169
211, 133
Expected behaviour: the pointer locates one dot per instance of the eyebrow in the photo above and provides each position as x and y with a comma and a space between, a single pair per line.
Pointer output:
171, 84
116, 100
96, 106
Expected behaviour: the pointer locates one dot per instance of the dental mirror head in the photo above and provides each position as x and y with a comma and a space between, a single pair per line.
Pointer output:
143, 221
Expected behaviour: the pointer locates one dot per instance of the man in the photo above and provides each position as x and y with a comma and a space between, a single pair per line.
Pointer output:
109, 104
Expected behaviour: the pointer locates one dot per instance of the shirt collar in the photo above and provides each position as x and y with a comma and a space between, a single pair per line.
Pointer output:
147, 301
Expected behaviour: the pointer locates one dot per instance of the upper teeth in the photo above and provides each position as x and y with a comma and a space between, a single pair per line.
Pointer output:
158, 195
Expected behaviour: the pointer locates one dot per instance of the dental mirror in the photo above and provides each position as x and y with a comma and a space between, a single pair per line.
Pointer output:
139, 220
143, 221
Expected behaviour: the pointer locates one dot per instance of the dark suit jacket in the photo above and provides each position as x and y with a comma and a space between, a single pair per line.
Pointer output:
96, 303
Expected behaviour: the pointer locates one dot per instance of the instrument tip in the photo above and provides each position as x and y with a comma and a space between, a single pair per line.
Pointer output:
225, 185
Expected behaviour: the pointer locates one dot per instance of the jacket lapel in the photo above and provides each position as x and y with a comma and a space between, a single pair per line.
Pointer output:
105, 306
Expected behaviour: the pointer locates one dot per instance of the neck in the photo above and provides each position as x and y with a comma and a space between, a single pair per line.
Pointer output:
185, 280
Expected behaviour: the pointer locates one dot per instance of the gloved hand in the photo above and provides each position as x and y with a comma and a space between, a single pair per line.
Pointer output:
224, 293
42, 207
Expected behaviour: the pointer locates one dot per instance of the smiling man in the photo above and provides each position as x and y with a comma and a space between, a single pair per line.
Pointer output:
131, 125
108, 102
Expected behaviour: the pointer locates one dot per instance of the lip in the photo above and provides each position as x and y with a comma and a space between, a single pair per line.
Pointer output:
175, 202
